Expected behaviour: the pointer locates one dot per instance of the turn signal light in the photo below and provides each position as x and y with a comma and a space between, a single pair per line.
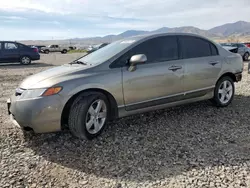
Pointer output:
52, 91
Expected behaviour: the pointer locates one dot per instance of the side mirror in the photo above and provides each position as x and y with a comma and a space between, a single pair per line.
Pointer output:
137, 59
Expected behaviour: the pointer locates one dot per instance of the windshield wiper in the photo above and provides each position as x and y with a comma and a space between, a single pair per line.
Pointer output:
78, 62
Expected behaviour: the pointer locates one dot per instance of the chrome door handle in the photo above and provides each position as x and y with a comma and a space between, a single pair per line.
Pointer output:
174, 68
213, 62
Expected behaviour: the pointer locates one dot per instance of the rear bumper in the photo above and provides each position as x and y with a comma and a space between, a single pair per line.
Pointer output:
238, 77
43, 115
36, 57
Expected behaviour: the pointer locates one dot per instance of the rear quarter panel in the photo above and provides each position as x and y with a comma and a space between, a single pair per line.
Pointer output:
232, 62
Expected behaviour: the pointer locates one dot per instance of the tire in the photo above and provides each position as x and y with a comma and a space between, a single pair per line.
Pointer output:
46, 51
64, 51
246, 56
80, 115
25, 60
220, 90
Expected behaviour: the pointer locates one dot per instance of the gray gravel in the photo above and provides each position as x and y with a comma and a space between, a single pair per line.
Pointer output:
195, 145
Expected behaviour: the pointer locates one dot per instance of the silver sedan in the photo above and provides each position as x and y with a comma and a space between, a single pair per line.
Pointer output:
129, 76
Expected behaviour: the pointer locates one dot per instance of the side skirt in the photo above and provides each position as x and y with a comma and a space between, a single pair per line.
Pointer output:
166, 102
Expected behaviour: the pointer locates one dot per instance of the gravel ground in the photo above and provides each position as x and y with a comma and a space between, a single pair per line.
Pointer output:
195, 145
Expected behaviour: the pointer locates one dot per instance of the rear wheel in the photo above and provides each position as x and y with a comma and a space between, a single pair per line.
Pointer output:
25, 60
224, 92
88, 115
246, 56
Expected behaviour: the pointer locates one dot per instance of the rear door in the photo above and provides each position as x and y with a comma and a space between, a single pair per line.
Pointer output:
10, 52
202, 64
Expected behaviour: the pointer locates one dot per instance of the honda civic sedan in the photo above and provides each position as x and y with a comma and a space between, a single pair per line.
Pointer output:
12, 52
129, 76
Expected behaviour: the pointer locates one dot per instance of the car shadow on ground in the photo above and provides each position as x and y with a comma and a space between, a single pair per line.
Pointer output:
157, 144
18, 65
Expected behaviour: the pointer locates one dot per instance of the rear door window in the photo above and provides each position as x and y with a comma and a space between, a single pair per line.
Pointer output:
10, 46
194, 47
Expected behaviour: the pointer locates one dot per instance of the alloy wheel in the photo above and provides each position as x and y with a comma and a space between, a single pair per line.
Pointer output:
25, 60
246, 56
96, 116
225, 92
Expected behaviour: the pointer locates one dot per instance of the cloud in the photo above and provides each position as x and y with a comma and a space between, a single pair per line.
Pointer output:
100, 17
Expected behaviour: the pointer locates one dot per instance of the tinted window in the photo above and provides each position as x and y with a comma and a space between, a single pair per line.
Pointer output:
158, 49
192, 47
10, 46
214, 50
22, 46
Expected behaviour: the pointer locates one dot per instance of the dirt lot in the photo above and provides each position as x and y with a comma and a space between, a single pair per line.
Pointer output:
195, 145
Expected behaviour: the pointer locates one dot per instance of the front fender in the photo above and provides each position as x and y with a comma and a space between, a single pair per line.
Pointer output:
86, 87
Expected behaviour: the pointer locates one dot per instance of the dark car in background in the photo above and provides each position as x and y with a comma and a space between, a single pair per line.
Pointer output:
37, 46
12, 52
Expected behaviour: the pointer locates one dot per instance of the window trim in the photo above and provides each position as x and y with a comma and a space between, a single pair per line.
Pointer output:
112, 64
210, 43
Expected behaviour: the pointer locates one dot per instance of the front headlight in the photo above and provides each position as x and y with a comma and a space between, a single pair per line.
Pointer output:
33, 93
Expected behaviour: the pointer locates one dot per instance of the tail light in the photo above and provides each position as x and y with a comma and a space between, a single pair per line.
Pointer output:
35, 50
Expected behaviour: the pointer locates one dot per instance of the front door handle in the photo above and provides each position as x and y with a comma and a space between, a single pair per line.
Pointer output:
174, 68
213, 62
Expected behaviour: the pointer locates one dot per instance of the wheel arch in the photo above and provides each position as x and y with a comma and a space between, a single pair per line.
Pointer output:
110, 97
229, 74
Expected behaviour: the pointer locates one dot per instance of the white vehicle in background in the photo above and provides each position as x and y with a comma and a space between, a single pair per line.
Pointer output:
54, 48
242, 49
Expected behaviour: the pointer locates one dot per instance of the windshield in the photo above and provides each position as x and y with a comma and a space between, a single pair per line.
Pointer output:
107, 52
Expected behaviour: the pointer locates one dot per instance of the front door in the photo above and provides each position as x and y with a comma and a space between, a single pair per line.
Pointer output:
202, 64
159, 80
10, 52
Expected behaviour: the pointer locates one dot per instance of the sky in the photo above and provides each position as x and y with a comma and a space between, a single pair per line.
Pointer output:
63, 19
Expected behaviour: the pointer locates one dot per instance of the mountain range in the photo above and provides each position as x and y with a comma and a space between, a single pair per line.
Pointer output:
236, 29
240, 29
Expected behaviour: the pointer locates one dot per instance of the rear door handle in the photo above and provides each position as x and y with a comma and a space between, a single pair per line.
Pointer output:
174, 68
213, 62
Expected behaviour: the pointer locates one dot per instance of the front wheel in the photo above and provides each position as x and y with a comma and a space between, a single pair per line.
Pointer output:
88, 115
224, 92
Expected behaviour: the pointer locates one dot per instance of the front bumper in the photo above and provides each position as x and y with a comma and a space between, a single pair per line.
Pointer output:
42, 114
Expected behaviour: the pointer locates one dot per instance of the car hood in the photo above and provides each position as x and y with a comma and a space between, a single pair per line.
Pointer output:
67, 69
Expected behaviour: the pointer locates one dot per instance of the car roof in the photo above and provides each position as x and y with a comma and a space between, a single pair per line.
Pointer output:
8, 41
152, 35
